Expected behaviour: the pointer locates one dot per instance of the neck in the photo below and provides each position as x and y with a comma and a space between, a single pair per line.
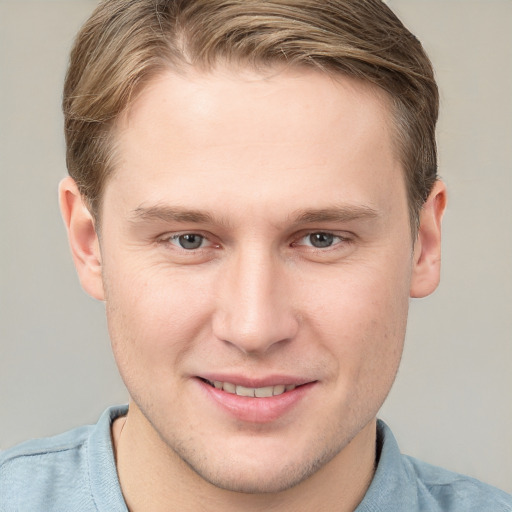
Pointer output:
153, 477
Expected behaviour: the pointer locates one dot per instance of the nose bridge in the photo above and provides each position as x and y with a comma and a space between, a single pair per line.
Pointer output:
253, 310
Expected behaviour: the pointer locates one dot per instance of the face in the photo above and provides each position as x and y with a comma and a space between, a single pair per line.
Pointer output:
255, 240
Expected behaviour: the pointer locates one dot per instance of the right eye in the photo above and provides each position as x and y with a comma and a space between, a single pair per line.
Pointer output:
321, 240
188, 241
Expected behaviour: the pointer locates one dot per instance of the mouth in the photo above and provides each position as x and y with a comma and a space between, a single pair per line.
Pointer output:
261, 392
256, 401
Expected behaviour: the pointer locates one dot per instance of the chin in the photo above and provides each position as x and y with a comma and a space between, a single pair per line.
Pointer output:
269, 471
254, 480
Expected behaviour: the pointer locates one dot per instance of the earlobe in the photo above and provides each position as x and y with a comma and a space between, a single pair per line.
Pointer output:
83, 238
427, 249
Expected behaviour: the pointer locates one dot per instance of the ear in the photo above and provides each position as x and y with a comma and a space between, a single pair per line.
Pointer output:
426, 269
83, 239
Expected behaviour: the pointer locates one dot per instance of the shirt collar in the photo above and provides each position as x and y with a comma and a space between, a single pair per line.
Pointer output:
393, 487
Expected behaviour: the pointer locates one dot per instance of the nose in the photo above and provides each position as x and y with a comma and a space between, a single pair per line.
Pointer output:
254, 309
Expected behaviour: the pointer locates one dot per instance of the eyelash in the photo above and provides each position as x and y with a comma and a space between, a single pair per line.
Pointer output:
338, 240
169, 239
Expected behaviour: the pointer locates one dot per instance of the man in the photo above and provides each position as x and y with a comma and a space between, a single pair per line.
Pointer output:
253, 193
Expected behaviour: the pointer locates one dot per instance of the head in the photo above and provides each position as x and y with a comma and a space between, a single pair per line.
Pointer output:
126, 44
247, 176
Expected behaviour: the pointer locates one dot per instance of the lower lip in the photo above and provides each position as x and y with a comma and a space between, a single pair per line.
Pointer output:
257, 410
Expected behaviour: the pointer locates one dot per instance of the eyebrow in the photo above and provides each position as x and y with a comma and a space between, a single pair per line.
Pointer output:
172, 214
168, 214
342, 213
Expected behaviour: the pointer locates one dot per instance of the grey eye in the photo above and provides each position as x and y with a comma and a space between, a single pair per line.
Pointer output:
190, 241
321, 240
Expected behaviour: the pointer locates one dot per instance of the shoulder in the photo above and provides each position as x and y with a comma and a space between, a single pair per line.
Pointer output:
71, 471
65, 442
37, 471
455, 491
404, 484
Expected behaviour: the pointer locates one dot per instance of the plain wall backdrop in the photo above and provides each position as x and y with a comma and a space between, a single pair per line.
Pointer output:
452, 402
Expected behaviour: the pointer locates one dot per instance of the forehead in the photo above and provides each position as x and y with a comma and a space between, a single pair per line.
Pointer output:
269, 135
277, 97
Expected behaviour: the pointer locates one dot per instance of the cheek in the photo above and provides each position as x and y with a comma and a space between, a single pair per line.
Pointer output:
363, 319
154, 320
365, 344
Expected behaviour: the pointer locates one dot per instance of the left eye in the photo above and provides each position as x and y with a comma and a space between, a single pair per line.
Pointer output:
320, 240
188, 241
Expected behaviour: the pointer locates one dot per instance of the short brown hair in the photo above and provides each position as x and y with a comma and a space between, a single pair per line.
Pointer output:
126, 43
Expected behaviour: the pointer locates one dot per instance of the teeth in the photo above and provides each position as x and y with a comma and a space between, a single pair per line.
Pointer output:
279, 390
265, 392
229, 388
243, 391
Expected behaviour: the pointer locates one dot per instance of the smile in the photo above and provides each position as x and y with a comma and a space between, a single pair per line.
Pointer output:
258, 400
263, 392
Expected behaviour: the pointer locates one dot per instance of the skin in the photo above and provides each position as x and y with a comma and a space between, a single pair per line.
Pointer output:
271, 159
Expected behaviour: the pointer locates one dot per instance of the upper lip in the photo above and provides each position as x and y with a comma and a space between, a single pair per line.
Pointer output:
256, 382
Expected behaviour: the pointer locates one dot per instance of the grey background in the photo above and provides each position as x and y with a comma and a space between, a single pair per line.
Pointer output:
451, 404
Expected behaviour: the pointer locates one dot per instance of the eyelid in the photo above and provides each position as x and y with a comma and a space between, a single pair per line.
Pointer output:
174, 235
343, 238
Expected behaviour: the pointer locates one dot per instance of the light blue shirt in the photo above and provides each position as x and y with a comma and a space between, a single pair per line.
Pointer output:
76, 472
